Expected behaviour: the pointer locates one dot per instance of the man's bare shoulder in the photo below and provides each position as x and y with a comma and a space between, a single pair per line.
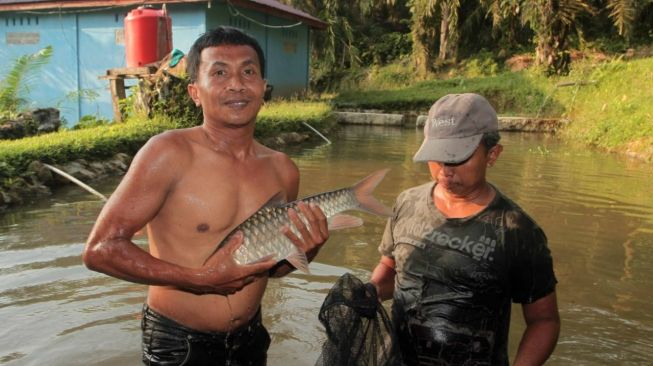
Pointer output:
176, 140
285, 168
164, 155
281, 160
172, 144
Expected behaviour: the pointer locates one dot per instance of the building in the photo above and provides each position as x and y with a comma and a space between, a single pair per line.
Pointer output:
87, 37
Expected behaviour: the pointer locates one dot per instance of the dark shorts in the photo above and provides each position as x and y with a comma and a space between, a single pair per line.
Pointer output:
166, 342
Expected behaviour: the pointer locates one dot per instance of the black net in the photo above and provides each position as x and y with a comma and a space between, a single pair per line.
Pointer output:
358, 329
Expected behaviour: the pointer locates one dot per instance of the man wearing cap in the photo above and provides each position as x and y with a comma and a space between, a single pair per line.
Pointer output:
457, 252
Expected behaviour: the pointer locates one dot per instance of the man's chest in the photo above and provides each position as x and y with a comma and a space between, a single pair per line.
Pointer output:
214, 201
469, 255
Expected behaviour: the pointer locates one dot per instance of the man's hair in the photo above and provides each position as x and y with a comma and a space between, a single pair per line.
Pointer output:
217, 37
490, 139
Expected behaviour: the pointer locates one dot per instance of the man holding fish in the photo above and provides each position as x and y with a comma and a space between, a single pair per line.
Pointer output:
457, 252
194, 189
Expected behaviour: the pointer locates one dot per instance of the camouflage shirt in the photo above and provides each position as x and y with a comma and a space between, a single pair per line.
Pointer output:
456, 278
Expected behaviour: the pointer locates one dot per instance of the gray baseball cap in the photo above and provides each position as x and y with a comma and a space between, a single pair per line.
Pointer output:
454, 127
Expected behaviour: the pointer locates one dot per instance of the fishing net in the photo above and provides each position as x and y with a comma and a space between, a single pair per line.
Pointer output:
358, 329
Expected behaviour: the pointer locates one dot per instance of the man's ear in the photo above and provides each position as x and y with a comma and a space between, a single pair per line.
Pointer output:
194, 94
265, 87
493, 154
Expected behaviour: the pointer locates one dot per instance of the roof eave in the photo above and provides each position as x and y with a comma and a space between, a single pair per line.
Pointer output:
59, 4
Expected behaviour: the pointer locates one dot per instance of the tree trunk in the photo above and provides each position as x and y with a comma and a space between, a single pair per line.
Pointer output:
449, 30
551, 50
424, 37
444, 33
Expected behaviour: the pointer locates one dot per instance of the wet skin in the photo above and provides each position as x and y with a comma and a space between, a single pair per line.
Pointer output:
462, 189
191, 187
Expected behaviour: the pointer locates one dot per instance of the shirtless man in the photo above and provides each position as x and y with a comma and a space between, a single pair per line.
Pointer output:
191, 187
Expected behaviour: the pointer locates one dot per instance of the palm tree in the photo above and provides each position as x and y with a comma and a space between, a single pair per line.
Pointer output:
423, 33
506, 17
17, 81
425, 15
551, 20
624, 12
334, 49
449, 30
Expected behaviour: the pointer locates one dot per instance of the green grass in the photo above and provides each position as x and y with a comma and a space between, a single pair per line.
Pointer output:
616, 113
103, 141
91, 143
285, 116
510, 93
612, 111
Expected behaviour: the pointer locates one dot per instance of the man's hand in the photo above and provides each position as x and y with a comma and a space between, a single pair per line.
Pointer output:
223, 276
313, 235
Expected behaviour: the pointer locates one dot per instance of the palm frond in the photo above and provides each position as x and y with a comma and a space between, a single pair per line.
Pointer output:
622, 13
16, 80
570, 9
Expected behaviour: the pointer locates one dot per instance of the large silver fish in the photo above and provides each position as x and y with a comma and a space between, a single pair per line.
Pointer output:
262, 231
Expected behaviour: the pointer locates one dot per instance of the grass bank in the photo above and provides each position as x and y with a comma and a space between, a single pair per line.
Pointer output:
101, 142
608, 103
615, 111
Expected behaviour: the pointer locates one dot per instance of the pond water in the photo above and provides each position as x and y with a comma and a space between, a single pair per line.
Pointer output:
596, 209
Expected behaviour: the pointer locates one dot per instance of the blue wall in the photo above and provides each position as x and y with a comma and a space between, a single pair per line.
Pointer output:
86, 44
53, 82
287, 57
101, 47
286, 49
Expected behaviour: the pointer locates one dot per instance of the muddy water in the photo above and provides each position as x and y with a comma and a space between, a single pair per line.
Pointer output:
596, 209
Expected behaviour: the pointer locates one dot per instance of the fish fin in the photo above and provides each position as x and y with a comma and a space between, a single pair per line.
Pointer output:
298, 260
342, 221
263, 259
278, 199
363, 192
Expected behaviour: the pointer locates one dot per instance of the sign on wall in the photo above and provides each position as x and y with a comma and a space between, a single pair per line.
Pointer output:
23, 37
120, 36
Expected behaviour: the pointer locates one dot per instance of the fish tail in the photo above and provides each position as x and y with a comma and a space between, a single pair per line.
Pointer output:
363, 192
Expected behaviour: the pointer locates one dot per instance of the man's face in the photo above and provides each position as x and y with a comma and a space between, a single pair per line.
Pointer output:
229, 85
465, 177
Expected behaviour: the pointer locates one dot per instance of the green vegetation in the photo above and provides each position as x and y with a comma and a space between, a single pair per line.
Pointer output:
431, 34
18, 80
511, 93
105, 140
91, 143
607, 102
615, 113
407, 53
282, 116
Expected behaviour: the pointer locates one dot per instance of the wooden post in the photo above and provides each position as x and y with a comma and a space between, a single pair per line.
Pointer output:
117, 85
117, 78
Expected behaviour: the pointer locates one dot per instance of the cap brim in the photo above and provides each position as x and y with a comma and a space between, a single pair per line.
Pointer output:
447, 150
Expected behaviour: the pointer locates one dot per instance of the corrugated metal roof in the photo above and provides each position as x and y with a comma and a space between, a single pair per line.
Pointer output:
266, 6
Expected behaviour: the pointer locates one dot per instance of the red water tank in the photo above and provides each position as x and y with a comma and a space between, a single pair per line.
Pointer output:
148, 35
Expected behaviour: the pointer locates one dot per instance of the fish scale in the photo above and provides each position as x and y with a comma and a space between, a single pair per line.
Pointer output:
265, 225
262, 231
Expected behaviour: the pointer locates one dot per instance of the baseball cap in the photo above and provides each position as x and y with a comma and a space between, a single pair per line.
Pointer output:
454, 128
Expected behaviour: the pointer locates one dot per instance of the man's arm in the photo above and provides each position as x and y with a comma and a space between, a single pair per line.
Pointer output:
542, 330
135, 202
383, 278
